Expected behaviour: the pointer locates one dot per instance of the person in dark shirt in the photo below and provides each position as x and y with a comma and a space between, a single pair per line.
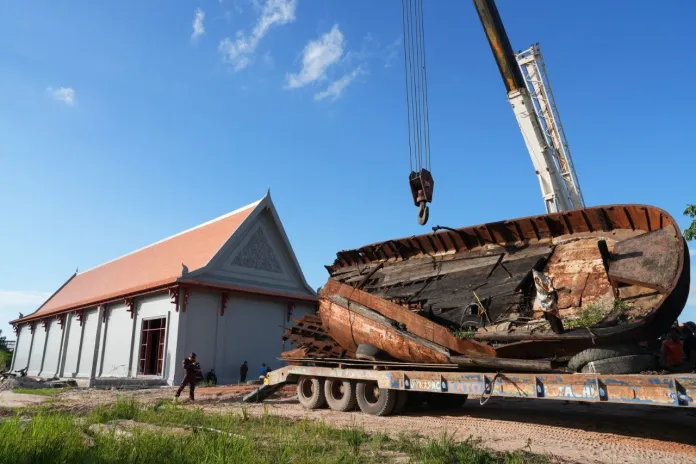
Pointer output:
689, 347
211, 377
243, 372
262, 370
191, 367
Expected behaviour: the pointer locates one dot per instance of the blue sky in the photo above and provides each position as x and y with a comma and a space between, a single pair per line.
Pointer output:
125, 122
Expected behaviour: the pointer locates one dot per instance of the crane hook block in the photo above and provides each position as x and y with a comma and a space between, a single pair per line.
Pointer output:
422, 184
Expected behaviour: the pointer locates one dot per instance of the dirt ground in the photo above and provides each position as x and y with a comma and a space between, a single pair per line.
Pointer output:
571, 432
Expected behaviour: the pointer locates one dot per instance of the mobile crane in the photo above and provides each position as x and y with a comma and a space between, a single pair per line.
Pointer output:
533, 103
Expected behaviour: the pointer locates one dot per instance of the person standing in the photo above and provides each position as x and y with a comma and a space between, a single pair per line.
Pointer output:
672, 353
243, 372
190, 369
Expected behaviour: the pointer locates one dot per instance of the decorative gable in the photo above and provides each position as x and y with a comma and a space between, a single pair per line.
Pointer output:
258, 254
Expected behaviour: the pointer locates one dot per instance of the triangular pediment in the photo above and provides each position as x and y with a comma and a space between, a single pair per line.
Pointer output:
258, 256
257, 253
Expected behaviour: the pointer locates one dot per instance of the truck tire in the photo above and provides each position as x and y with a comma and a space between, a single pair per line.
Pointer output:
374, 400
632, 364
446, 400
401, 400
310, 392
578, 361
340, 394
368, 352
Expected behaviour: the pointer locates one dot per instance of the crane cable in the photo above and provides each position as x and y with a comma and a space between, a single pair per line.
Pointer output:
416, 85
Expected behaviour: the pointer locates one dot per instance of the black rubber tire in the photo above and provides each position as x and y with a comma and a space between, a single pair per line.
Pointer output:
340, 394
401, 400
376, 405
579, 361
369, 352
446, 401
310, 392
632, 364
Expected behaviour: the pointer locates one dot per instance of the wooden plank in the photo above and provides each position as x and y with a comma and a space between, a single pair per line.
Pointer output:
415, 324
649, 259
531, 365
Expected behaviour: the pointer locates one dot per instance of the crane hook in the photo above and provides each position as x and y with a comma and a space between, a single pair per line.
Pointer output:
423, 213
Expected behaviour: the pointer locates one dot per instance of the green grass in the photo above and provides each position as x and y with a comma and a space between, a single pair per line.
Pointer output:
593, 313
205, 383
463, 334
41, 391
54, 437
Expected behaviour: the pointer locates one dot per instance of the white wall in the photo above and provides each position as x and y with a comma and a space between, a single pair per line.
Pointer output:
37, 349
200, 327
150, 307
21, 352
52, 352
252, 332
117, 342
89, 340
72, 346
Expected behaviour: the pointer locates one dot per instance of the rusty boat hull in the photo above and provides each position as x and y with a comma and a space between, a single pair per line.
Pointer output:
620, 273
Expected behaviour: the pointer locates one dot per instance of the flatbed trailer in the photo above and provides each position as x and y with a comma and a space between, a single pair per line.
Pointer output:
388, 385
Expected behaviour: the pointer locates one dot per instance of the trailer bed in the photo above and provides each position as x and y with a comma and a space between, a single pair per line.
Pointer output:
649, 390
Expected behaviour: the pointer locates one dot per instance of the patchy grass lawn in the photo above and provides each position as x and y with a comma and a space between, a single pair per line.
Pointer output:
41, 391
56, 437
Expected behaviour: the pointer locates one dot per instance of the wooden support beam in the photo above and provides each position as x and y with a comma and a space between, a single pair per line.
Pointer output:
224, 298
187, 292
174, 297
61, 320
80, 316
531, 365
130, 306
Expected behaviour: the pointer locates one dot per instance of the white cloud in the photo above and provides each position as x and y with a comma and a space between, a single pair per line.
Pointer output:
317, 57
240, 51
21, 300
392, 52
268, 60
335, 90
63, 94
198, 27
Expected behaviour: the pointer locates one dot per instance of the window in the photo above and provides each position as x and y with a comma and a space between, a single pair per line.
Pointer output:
152, 346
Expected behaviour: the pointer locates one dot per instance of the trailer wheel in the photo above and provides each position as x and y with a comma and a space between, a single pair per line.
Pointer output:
340, 394
579, 361
374, 400
310, 391
401, 400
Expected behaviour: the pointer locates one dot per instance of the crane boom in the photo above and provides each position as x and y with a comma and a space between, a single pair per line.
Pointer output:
533, 68
554, 189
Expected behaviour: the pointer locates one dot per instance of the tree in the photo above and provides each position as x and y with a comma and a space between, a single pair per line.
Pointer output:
690, 233
5, 356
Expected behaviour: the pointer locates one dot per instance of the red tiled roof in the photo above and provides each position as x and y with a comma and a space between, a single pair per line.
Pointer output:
154, 266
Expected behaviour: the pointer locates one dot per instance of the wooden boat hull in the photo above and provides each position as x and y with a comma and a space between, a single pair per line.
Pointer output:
427, 283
